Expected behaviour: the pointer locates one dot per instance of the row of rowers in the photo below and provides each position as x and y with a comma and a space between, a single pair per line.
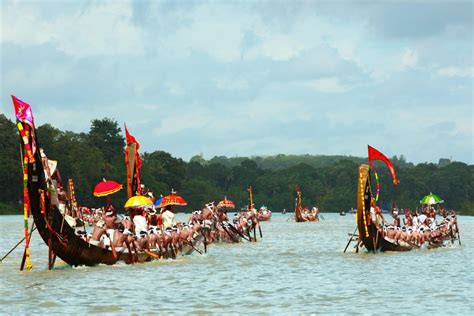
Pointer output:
417, 229
146, 228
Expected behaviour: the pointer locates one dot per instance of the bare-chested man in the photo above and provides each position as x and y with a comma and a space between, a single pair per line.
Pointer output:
99, 230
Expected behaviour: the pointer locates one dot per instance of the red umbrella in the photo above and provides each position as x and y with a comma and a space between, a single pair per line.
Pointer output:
106, 187
226, 203
172, 199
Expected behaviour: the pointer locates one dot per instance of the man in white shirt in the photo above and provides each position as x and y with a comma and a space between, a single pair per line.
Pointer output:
169, 218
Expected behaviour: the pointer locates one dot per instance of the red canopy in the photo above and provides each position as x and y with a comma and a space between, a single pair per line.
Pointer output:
172, 199
105, 188
226, 203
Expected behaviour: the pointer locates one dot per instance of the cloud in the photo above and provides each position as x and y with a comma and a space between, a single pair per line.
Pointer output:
248, 77
409, 58
328, 85
453, 71
102, 28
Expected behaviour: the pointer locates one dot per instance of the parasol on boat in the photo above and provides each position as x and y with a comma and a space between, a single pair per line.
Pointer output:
106, 188
137, 201
431, 199
172, 199
226, 203
158, 201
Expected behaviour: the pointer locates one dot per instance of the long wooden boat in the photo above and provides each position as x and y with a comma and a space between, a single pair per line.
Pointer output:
264, 214
368, 233
52, 226
372, 238
299, 216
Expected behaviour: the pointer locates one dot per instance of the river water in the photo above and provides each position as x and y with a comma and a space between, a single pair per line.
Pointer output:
297, 268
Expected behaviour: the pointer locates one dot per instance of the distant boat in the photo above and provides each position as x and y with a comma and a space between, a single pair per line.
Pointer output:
304, 214
284, 211
264, 214
352, 211
342, 213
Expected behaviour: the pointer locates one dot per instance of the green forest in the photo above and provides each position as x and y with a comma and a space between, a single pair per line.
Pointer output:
328, 182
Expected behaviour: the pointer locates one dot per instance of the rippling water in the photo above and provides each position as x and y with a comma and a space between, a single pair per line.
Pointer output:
298, 268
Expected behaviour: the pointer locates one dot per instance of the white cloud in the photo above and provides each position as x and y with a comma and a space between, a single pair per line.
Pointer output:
453, 71
178, 122
328, 85
281, 47
103, 28
212, 29
409, 58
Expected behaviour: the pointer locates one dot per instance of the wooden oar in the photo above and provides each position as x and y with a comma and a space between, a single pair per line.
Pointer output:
14, 247
150, 253
205, 242
228, 233
192, 246
114, 253
237, 231
350, 239
457, 230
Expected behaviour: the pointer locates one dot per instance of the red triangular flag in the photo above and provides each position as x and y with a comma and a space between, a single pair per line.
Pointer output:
374, 154
130, 139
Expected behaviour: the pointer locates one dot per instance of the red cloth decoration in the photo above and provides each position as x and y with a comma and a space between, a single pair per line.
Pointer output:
374, 154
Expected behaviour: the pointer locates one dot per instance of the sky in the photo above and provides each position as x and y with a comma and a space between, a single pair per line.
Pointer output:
245, 78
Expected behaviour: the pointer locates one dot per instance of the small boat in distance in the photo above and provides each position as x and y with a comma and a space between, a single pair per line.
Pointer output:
342, 213
264, 214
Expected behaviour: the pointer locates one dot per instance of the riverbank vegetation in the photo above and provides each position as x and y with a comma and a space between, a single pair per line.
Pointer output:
326, 181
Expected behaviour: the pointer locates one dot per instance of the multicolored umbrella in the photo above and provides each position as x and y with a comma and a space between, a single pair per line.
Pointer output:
138, 200
106, 187
431, 199
158, 201
172, 199
226, 203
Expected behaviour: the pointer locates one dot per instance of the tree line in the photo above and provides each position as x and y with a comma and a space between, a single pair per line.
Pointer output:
329, 182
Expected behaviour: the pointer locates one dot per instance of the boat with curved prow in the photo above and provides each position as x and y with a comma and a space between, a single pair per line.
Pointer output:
303, 214
62, 239
376, 239
368, 233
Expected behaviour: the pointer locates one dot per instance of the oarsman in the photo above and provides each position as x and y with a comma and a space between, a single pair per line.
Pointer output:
208, 218
195, 217
120, 240
175, 241
97, 233
154, 225
110, 217
185, 235
376, 216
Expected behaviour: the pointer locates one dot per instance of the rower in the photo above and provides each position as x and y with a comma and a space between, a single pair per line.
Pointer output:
376, 216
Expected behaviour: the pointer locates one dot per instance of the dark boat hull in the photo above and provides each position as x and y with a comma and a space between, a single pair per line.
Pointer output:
368, 233
60, 237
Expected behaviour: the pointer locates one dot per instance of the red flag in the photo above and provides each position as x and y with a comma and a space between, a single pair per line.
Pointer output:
374, 154
23, 112
130, 139
133, 164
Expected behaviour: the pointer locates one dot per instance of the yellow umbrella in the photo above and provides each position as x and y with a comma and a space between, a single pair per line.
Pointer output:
138, 200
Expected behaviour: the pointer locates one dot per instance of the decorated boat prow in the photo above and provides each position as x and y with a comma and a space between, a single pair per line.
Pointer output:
42, 200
